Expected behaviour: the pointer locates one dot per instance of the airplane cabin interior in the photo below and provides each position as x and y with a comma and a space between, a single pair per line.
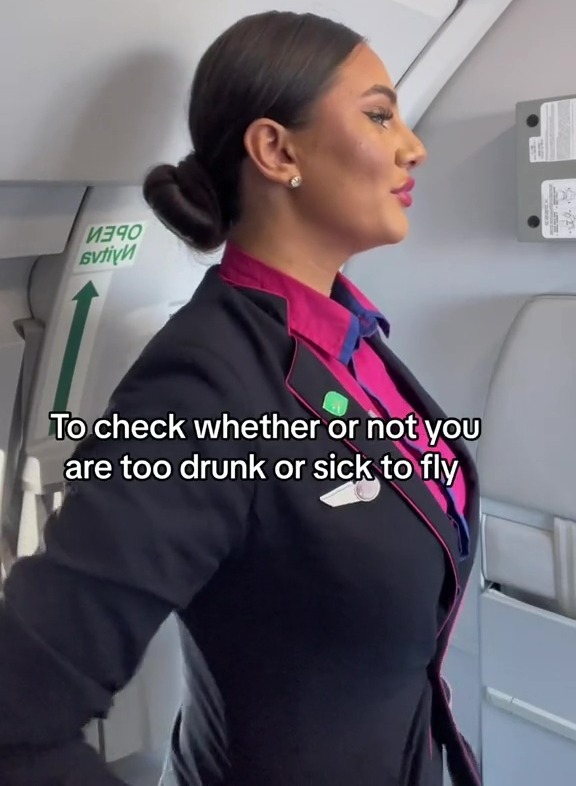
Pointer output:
481, 298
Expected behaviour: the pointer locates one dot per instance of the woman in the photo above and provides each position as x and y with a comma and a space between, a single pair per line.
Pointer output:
315, 612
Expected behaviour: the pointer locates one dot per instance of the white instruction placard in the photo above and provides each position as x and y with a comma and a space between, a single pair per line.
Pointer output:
108, 246
558, 139
559, 208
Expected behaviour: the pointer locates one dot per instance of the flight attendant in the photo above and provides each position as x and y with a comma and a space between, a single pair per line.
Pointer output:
315, 569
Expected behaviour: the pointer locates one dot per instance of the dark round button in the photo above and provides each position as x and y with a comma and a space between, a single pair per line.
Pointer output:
533, 222
532, 120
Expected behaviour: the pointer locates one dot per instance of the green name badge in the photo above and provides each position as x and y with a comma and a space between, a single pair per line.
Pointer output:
335, 403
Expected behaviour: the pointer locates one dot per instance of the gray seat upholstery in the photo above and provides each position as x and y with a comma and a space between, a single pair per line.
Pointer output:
527, 466
527, 458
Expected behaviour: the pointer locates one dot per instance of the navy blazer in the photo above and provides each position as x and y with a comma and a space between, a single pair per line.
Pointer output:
313, 636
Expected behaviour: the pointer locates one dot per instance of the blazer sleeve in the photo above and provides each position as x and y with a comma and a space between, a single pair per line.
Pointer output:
119, 557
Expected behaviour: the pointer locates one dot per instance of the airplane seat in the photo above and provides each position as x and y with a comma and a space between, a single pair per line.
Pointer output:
528, 550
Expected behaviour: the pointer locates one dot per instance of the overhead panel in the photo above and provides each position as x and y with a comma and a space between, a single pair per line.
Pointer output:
36, 220
97, 92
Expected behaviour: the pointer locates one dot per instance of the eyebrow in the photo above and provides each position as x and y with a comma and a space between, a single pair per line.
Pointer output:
382, 90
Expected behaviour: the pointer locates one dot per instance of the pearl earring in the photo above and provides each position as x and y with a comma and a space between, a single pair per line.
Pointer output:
295, 181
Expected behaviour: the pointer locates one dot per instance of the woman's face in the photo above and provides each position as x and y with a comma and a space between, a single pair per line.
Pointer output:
355, 156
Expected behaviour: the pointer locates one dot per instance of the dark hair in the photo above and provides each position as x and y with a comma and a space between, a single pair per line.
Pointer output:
274, 65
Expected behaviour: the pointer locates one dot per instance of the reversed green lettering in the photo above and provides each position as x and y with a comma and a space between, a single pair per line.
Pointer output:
94, 235
128, 251
108, 233
135, 231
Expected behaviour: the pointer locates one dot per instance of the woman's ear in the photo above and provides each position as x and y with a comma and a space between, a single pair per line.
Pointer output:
270, 148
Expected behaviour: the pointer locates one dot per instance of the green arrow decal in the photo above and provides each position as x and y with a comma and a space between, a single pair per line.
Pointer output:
83, 301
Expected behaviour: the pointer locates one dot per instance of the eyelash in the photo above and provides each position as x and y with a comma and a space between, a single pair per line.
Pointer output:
381, 116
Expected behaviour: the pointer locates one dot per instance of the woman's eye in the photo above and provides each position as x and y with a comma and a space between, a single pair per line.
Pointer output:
381, 117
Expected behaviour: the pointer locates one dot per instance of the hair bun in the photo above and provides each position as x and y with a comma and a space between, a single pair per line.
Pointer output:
184, 199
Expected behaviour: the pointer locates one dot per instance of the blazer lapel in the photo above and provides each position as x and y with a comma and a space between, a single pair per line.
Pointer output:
309, 380
428, 408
